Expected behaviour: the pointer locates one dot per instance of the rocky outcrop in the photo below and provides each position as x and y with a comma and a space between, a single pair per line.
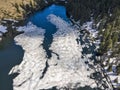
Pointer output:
65, 69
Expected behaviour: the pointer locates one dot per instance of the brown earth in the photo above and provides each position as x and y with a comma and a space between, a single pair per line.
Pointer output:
19, 9
8, 9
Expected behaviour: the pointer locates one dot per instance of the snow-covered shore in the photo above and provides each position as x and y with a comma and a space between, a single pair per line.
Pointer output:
66, 68
108, 70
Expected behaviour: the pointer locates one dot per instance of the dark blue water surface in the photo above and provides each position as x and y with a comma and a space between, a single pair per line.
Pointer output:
10, 55
40, 19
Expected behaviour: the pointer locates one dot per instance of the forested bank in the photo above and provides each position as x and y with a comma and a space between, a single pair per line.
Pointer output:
105, 15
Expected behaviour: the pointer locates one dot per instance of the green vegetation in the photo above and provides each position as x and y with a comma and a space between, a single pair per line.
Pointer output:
109, 68
106, 11
111, 34
118, 69
84, 9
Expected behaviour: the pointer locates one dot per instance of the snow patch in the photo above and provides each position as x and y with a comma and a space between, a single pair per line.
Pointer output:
10, 20
3, 29
89, 27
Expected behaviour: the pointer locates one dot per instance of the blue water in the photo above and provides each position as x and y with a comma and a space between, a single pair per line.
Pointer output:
40, 19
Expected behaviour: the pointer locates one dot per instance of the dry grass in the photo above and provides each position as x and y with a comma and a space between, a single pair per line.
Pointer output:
8, 11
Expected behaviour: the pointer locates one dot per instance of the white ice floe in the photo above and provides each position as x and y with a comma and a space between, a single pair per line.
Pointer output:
34, 59
28, 28
69, 69
66, 68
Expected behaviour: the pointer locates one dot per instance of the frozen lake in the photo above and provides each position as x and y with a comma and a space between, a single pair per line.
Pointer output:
12, 54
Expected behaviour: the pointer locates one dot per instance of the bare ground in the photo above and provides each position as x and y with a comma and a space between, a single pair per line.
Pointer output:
7, 10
